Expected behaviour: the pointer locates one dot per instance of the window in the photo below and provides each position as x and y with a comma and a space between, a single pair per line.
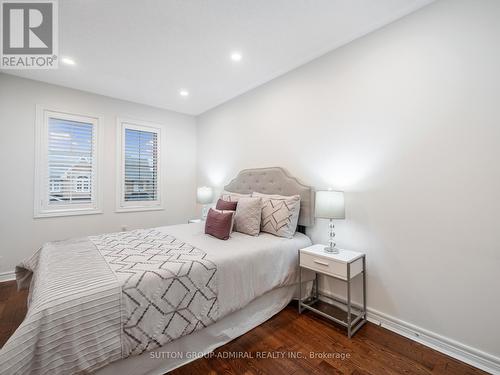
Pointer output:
139, 178
83, 184
66, 165
55, 186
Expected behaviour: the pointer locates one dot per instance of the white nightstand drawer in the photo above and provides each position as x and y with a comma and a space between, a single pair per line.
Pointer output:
330, 266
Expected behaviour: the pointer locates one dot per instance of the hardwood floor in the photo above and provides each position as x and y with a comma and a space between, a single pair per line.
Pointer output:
300, 344
12, 309
373, 350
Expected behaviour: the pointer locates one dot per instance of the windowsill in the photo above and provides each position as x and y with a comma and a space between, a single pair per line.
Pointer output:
139, 209
41, 215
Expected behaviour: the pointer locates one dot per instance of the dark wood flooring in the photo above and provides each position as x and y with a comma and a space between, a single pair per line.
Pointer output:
300, 344
12, 309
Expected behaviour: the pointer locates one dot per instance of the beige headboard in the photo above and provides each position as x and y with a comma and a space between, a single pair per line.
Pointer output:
275, 180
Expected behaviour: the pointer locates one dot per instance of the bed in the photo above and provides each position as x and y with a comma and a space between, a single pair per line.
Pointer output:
151, 300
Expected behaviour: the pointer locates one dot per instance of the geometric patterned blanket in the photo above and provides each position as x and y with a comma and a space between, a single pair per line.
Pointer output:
169, 287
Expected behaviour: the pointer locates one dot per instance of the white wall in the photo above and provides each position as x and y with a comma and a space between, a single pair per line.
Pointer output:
406, 121
20, 234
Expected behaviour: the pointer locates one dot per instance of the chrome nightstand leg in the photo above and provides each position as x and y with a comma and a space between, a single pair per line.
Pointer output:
349, 328
300, 287
316, 286
364, 287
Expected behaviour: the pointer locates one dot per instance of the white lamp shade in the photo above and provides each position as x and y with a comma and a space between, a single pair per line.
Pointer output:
330, 204
205, 195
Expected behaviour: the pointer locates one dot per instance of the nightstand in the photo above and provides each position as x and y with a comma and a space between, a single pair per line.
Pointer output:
345, 266
192, 221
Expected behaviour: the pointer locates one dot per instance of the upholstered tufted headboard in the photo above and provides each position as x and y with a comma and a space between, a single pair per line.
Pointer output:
275, 180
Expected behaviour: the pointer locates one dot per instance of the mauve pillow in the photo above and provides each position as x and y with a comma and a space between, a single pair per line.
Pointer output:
234, 213
218, 224
226, 205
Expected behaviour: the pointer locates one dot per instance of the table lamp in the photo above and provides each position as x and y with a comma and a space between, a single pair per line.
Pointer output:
204, 196
330, 205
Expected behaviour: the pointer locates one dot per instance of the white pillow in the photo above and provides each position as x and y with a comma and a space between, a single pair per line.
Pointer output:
229, 196
247, 216
280, 214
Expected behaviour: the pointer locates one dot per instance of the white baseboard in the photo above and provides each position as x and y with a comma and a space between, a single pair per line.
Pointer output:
454, 349
7, 276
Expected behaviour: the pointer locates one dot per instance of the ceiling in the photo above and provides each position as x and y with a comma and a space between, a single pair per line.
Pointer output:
147, 51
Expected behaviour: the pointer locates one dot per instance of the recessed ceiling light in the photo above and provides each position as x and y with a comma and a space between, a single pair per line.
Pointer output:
184, 93
236, 56
68, 61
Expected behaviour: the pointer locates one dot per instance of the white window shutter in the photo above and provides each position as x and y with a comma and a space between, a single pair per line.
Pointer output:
66, 168
141, 165
139, 178
71, 153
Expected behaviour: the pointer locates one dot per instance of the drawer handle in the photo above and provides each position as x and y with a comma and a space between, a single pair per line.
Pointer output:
320, 262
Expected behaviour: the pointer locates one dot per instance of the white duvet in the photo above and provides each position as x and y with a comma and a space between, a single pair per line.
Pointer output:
247, 266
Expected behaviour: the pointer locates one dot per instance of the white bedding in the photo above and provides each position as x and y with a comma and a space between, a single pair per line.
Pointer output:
247, 267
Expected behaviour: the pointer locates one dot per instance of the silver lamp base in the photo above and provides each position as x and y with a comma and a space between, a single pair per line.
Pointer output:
204, 212
331, 250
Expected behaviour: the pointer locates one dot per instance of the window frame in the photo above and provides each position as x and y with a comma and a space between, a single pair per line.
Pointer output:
42, 208
139, 125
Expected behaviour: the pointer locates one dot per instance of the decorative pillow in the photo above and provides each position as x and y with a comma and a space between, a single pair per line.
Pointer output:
224, 211
247, 217
218, 224
233, 197
280, 214
226, 205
